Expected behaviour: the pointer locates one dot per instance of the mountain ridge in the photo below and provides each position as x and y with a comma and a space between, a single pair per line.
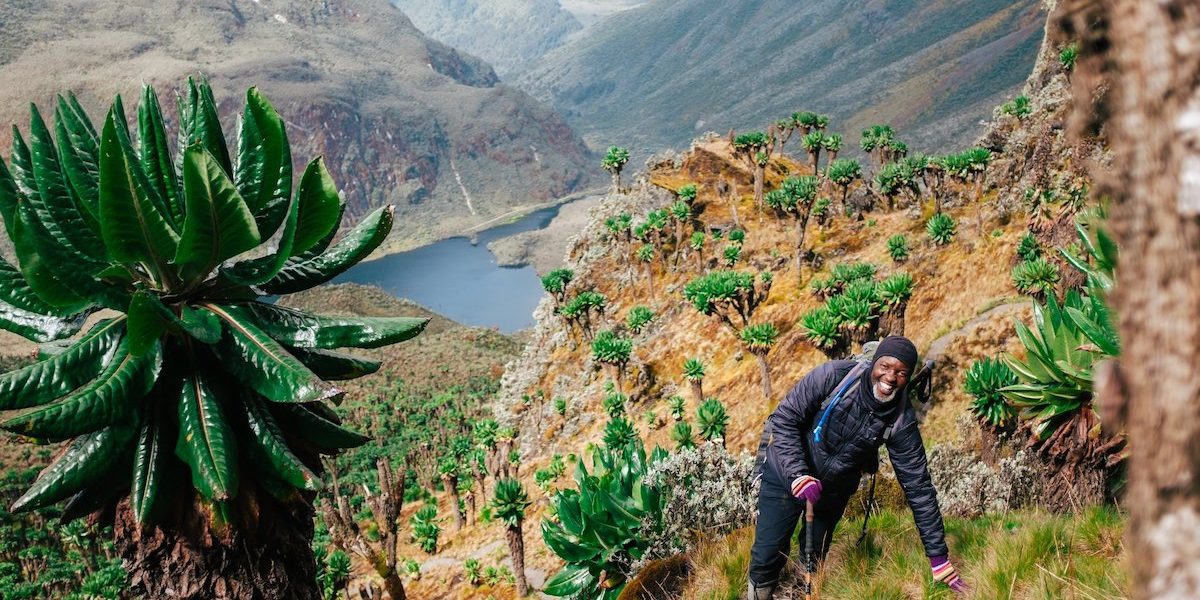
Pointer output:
399, 117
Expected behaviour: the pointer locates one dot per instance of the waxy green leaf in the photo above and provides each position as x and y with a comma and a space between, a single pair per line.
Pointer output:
134, 225
264, 365
265, 434
264, 168
303, 273
300, 420
88, 458
334, 366
219, 225
206, 441
154, 155
58, 375
108, 398
79, 150
303, 330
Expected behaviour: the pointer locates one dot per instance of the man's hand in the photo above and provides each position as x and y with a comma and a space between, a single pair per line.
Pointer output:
806, 487
944, 572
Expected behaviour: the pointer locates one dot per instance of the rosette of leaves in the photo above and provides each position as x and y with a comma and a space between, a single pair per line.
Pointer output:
676, 405
697, 240
820, 210
896, 289
731, 254
687, 193
610, 349
693, 369
473, 572
1068, 55
425, 528
862, 290
639, 316
822, 287
1028, 248
897, 246
191, 371
842, 274
555, 282
602, 524
941, 228
984, 380
560, 406
712, 419
619, 432
615, 159
821, 328
484, 433
614, 404
1037, 277
1018, 107
681, 434
1097, 258
737, 236
1061, 351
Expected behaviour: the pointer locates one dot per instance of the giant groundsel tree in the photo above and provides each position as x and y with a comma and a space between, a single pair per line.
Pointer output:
194, 408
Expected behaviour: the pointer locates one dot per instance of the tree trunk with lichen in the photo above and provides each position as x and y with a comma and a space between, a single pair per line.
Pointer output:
516, 547
764, 373
1148, 57
697, 391
450, 482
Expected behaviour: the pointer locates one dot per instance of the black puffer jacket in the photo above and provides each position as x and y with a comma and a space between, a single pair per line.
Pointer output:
850, 441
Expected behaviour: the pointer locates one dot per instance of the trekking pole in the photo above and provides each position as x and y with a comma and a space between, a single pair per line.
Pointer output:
810, 560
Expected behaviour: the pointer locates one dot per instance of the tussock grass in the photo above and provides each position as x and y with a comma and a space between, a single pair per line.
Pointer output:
1026, 555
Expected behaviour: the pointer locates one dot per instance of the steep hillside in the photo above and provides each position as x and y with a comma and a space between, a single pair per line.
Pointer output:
399, 117
932, 69
590, 12
508, 34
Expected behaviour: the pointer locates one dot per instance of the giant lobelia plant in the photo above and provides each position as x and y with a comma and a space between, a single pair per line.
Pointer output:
194, 409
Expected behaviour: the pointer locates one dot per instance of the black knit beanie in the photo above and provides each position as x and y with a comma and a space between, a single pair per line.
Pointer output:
898, 347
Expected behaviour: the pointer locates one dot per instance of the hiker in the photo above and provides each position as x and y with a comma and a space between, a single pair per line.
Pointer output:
816, 445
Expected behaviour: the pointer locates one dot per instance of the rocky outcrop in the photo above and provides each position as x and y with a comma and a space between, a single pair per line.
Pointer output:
399, 118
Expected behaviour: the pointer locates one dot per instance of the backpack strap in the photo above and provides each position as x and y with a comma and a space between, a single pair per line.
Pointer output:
832, 400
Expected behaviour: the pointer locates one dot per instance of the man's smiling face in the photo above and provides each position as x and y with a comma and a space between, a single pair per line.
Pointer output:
887, 377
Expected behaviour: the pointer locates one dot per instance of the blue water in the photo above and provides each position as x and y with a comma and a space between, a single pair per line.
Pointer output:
460, 280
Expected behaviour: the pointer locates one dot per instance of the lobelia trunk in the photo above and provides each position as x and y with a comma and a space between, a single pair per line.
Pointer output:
765, 373
759, 173
697, 391
1147, 51
267, 556
616, 182
451, 485
516, 547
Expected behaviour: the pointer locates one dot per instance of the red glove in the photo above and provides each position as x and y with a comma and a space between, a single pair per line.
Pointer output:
944, 572
806, 487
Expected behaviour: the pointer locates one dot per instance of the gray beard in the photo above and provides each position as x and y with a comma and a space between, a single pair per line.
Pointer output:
881, 398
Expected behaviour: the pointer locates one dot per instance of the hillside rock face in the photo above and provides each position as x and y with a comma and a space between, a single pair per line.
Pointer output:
400, 118
933, 70
506, 33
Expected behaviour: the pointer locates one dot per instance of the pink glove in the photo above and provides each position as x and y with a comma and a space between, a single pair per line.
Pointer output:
806, 487
944, 572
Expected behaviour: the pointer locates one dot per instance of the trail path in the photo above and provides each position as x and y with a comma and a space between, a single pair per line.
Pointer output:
938, 347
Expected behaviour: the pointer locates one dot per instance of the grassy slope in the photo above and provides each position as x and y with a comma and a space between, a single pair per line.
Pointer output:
1024, 555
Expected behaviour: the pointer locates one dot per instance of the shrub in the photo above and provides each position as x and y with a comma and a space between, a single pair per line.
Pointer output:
425, 528
941, 228
896, 290
619, 433
1018, 107
712, 419
676, 406
737, 236
708, 494
821, 328
556, 281
1037, 277
983, 381
471, 567
639, 317
687, 193
1029, 249
732, 254
595, 540
681, 434
1068, 55
609, 348
898, 247
967, 487
820, 208
560, 406
614, 404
